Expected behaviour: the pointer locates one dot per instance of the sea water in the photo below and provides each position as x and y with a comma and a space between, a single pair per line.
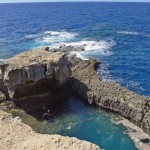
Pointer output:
118, 34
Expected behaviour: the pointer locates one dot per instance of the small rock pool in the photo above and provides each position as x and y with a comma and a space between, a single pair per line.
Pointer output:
74, 118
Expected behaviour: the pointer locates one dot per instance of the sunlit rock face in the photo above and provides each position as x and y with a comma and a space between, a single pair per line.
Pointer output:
111, 96
34, 74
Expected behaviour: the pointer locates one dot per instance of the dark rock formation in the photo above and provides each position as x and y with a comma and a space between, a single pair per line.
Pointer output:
146, 141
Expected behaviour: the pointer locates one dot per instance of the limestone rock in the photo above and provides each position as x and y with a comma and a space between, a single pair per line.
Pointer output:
88, 85
14, 135
26, 74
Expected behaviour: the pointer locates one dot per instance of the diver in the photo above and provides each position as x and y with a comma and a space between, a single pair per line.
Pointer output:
47, 114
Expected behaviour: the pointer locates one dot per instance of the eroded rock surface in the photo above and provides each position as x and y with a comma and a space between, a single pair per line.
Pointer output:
112, 96
87, 84
2, 97
34, 74
15, 135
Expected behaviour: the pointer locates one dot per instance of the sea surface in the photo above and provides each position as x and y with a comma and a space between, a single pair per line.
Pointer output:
118, 34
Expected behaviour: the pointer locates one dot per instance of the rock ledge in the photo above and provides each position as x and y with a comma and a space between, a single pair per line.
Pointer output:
15, 135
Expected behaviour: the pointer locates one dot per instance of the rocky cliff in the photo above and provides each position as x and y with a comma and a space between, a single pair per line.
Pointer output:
34, 76
111, 96
32, 79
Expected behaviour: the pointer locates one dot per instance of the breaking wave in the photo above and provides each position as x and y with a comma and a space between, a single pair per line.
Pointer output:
31, 36
129, 33
91, 45
55, 39
62, 34
57, 36
104, 72
1, 60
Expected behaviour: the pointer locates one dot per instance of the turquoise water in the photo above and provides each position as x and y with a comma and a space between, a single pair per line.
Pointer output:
116, 33
74, 118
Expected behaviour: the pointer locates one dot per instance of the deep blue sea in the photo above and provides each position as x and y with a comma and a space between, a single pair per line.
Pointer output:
118, 34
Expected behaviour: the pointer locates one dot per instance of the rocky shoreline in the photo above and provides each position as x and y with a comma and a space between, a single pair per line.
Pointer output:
88, 85
15, 135
40, 76
136, 134
30, 78
111, 96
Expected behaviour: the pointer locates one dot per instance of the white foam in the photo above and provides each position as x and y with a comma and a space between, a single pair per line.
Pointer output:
91, 45
49, 37
31, 36
129, 33
98, 47
1, 60
105, 73
102, 47
57, 36
55, 39
71, 125
133, 33
62, 34
78, 54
